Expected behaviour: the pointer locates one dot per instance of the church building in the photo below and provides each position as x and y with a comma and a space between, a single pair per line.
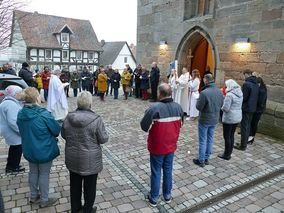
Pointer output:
229, 36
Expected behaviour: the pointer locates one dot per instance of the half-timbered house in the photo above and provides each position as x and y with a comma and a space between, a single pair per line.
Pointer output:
46, 40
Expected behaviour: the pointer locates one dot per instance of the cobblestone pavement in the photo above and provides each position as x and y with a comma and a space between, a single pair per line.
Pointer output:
125, 179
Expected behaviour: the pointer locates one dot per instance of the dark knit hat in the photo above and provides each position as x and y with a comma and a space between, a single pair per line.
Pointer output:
25, 64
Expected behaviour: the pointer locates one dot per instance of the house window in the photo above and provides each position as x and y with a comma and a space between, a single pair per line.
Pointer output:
65, 54
64, 37
48, 54
125, 59
79, 54
90, 55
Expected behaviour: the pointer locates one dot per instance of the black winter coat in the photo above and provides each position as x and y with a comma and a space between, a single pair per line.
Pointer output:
117, 77
27, 76
137, 74
250, 94
87, 80
262, 98
145, 80
155, 75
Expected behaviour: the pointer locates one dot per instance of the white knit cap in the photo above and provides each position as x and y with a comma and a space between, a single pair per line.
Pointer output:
12, 90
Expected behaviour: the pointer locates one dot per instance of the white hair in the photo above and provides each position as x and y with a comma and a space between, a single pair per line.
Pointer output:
231, 84
56, 72
13, 90
84, 100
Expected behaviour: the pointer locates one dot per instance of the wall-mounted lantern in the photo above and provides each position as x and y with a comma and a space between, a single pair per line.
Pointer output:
163, 45
242, 44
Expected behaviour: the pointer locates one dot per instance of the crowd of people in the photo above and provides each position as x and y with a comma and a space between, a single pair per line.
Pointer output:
31, 130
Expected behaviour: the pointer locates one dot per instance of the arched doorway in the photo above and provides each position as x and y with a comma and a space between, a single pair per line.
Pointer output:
196, 51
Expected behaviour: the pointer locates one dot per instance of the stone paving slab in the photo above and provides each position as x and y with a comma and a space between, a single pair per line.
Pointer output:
125, 180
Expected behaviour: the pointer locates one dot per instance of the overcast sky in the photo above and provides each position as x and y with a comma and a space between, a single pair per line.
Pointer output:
112, 20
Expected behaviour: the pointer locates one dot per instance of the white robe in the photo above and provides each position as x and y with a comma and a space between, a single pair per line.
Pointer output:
193, 96
56, 101
173, 86
182, 91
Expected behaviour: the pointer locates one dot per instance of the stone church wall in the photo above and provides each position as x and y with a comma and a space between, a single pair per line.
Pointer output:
262, 21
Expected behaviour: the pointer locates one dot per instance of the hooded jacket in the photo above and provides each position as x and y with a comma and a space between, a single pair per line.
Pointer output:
38, 129
9, 109
250, 94
232, 107
84, 133
209, 104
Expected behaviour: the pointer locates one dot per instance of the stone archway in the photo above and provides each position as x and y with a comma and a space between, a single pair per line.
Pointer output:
190, 49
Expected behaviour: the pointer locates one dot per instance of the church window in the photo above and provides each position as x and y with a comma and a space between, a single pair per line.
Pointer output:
193, 8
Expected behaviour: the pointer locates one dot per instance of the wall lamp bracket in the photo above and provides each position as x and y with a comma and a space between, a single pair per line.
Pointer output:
242, 40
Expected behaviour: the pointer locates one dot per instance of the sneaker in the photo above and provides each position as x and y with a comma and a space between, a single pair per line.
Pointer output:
168, 200
190, 119
206, 162
197, 162
150, 201
34, 200
50, 202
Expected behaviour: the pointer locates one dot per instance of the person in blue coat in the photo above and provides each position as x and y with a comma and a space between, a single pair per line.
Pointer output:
39, 130
9, 109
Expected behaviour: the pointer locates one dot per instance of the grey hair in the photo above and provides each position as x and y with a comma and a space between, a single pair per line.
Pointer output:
56, 72
84, 100
231, 84
165, 90
209, 77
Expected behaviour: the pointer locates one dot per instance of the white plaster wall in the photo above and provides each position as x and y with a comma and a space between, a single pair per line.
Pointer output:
73, 54
19, 46
119, 61
56, 53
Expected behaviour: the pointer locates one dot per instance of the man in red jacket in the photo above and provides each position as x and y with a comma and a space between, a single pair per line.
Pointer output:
163, 121
45, 76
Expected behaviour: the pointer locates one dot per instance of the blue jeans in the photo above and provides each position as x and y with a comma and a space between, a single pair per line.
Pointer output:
115, 93
39, 180
157, 163
45, 94
75, 91
205, 137
109, 84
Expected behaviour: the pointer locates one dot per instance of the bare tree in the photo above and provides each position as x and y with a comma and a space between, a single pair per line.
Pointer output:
6, 16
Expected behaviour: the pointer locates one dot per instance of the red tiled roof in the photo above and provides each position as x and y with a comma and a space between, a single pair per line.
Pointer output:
39, 30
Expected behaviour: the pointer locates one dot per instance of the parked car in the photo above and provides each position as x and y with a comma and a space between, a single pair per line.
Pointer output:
7, 80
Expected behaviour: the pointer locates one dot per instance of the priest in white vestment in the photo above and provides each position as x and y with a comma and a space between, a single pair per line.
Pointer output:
193, 86
181, 96
57, 102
